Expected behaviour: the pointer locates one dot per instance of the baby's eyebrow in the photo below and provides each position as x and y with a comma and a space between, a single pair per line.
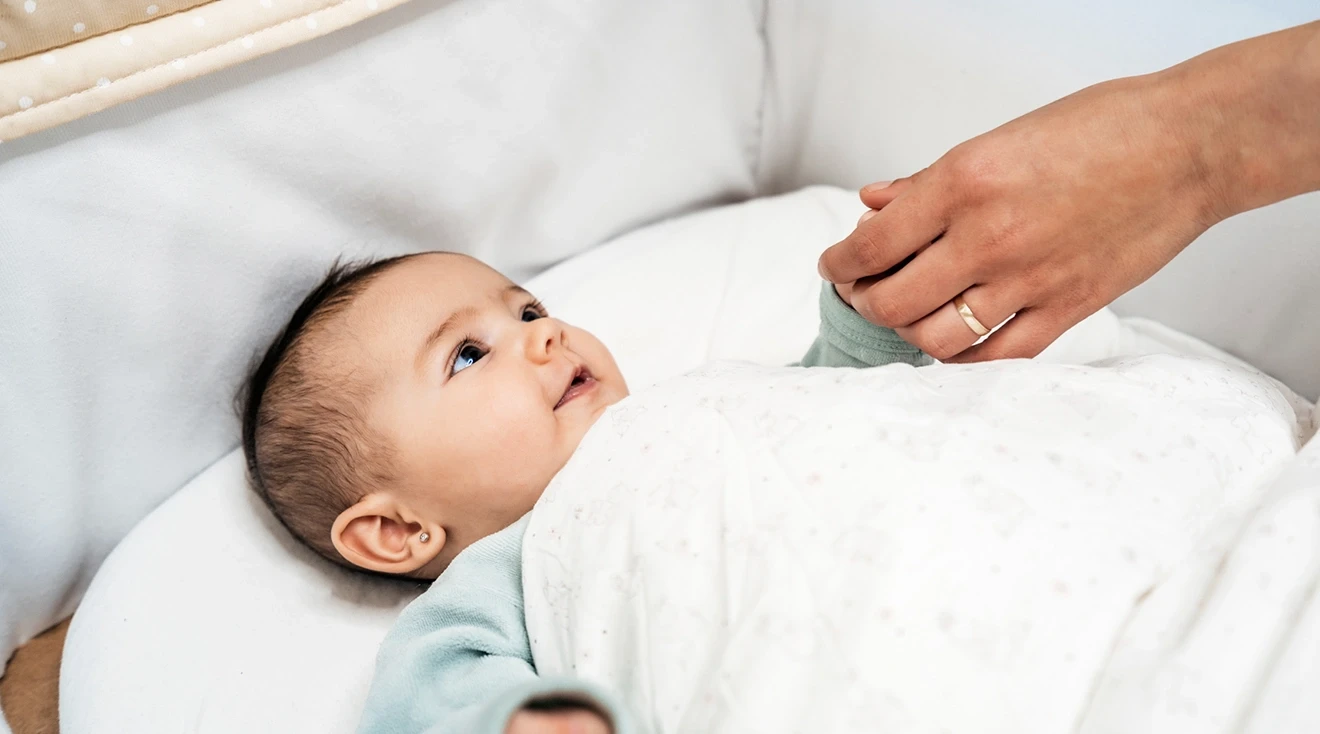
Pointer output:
517, 290
438, 334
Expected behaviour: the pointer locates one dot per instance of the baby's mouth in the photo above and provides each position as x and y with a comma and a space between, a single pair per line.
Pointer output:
581, 383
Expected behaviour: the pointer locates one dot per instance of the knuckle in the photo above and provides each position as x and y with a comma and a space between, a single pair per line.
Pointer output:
974, 173
937, 344
885, 311
940, 349
868, 250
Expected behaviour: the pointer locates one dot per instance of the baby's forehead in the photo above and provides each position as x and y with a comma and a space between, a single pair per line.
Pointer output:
449, 273
432, 282
405, 302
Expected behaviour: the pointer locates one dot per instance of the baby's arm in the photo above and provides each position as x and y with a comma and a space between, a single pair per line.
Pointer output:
848, 340
459, 660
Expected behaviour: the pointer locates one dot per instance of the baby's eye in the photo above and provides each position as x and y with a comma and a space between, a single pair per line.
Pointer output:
532, 312
467, 355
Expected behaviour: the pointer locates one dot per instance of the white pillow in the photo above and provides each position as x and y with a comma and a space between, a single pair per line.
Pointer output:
210, 618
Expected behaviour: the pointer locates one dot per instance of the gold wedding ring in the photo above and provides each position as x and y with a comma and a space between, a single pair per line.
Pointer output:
965, 312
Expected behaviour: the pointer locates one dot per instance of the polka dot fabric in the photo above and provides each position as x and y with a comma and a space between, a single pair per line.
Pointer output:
60, 60
36, 26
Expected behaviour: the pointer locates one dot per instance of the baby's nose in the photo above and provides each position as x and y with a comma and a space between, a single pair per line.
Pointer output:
545, 337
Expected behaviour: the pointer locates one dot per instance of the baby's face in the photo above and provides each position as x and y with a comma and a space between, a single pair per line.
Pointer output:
480, 395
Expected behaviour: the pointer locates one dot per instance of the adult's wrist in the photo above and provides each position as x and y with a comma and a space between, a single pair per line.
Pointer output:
1246, 115
1193, 102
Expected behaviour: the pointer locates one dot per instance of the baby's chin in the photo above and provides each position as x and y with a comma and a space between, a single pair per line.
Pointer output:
593, 417
609, 396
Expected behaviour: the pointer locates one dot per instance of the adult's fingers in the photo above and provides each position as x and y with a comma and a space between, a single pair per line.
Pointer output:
1027, 335
882, 241
944, 334
933, 277
879, 194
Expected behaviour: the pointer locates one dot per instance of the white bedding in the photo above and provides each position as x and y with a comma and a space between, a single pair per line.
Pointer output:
1233, 636
953, 548
230, 626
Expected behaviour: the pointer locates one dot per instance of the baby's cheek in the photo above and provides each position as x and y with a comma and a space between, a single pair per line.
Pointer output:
586, 344
521, 425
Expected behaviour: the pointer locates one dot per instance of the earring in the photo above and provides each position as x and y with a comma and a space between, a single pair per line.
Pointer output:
424, 537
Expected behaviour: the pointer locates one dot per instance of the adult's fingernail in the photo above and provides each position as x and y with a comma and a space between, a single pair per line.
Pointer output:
867, 215
871, 188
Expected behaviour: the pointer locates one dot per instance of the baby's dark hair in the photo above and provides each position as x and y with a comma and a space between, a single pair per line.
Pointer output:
310, 454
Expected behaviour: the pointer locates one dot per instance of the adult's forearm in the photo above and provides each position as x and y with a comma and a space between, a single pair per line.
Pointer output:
1250, 112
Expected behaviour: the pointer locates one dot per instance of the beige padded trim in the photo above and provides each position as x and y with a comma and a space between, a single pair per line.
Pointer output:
59, 84
31, 26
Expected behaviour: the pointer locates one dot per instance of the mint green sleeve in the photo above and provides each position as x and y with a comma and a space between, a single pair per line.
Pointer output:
458, 661
848, 340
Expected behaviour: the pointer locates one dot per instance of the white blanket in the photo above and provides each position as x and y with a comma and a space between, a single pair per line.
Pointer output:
955, 548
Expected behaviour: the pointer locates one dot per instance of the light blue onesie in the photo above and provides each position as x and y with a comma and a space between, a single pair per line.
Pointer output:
459, 661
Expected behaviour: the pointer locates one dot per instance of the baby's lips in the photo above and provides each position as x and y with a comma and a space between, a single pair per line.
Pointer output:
568, 385
581, 376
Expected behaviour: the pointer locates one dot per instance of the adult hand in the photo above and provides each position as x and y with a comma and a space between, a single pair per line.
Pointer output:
559, 721
1054, 215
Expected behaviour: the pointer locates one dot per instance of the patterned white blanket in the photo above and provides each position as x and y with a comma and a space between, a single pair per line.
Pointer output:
1013, 547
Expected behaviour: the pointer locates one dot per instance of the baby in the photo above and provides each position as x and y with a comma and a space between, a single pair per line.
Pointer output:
405, 422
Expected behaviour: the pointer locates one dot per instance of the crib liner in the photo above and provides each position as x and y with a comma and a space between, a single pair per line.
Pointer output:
171, 42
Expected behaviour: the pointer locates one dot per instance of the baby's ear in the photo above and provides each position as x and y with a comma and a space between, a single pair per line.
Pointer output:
379, 535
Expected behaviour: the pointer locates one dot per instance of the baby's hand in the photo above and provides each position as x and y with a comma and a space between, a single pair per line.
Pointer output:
566, 721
